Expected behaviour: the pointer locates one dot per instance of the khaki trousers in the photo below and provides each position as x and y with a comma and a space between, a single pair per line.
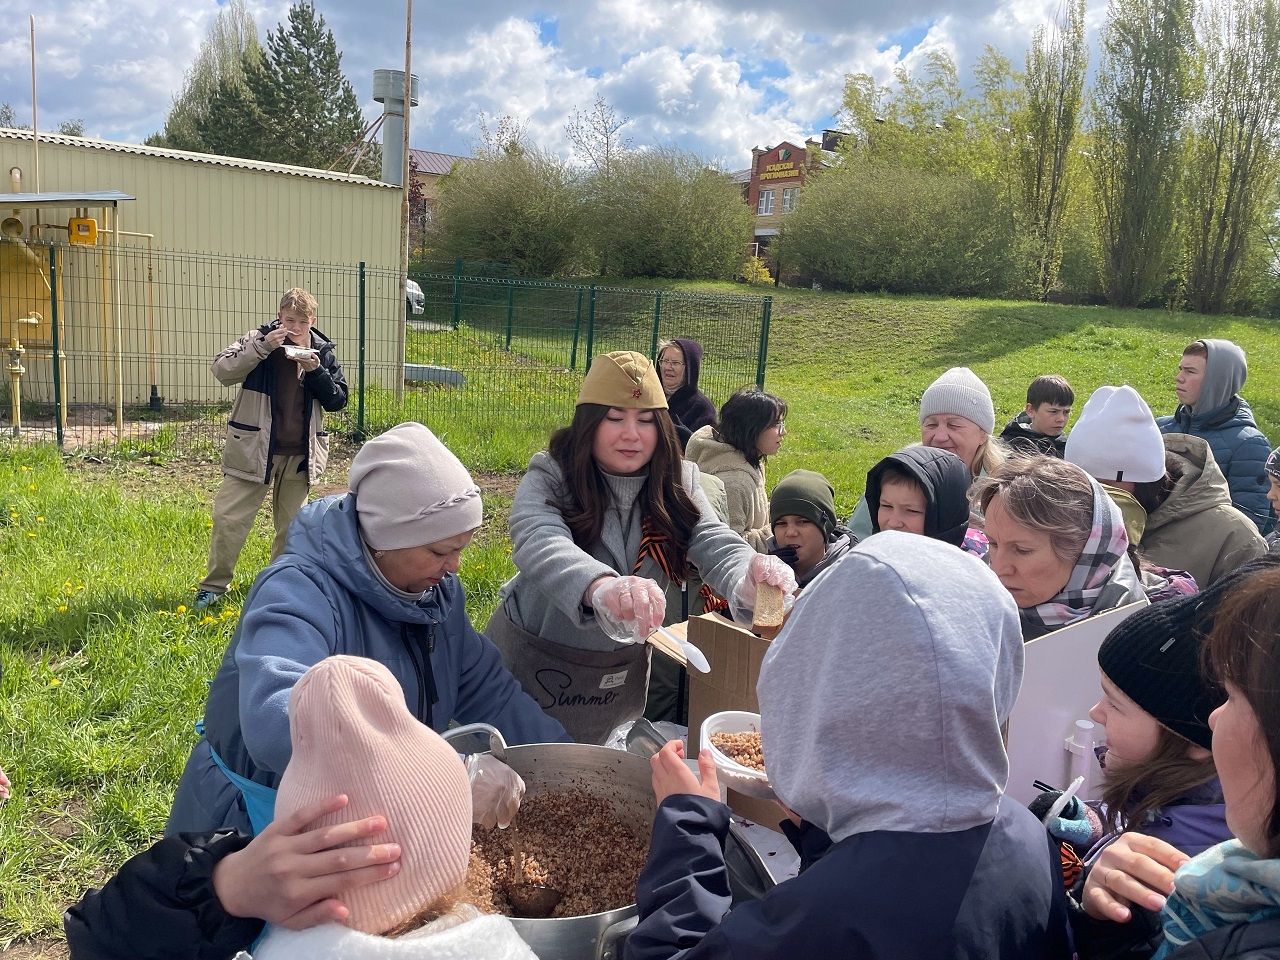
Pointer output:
235, 507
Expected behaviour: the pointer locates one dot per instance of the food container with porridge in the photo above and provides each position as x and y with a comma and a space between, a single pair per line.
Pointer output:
734, 739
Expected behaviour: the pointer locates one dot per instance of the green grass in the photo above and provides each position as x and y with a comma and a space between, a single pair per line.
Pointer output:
104, 669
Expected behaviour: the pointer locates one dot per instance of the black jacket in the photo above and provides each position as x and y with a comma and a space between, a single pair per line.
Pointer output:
1019, 435
689, 406
992, 892
945, 480
1241, 941
161, 906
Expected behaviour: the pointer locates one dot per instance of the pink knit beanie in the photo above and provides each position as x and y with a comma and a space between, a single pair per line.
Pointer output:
353, 734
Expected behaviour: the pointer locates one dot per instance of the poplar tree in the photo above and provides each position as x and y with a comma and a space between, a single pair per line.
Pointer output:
295, 106
232, 40
1232, 165
1044, 128
1143, 95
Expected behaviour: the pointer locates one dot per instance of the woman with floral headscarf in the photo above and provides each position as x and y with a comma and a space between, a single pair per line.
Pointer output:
1057, 543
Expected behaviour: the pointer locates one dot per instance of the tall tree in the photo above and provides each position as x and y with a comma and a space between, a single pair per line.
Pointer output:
598, 145
1044, 129
1143, 95
1232, 166
295, 105
232, 41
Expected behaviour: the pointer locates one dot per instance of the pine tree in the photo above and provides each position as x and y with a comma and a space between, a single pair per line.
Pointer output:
294, 106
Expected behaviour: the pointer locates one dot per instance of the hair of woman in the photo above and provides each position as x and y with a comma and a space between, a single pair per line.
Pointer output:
1131, 792
585, 499
1243, 650
1044, 494
744, 416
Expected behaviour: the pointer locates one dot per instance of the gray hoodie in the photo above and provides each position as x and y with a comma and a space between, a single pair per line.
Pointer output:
882, 698
1225, 370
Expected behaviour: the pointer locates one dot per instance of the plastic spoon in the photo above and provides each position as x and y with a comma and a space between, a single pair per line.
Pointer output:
1061, 803
693, 656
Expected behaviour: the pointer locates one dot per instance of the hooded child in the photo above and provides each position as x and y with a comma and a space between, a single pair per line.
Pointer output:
956, 415
924, 490
881, 703
1211, 375
1041, 426
802, 516
680, 366
353, 734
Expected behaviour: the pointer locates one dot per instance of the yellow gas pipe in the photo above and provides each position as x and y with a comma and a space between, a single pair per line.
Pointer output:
16, 370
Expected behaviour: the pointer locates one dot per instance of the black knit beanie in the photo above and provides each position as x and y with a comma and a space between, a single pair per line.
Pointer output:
807, 494
1153, 656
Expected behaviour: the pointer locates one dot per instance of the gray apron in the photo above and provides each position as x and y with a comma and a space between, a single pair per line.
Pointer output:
589, 691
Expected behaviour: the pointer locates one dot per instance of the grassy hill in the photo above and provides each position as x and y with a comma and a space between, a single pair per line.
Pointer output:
104, 667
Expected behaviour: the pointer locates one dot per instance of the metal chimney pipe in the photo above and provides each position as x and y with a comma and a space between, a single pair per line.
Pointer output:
388, 90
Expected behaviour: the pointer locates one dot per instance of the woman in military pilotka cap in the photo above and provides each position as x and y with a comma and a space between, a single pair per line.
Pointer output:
602, 522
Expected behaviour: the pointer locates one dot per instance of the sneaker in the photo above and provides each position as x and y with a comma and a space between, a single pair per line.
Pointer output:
206, 599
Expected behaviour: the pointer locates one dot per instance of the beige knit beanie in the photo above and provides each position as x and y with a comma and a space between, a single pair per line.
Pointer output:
962, 392
353, 734
623, 379
411, 490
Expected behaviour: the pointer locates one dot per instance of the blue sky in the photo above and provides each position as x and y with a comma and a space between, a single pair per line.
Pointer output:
713, 77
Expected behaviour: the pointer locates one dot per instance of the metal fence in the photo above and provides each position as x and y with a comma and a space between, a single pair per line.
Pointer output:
492, 364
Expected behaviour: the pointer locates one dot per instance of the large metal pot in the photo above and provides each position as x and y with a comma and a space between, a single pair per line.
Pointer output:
617, 776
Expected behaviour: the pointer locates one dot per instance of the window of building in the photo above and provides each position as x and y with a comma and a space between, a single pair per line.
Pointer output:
789, 197
765, 206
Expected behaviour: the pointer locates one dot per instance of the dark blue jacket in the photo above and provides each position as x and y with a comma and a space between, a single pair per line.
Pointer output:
992, 892
1240, 449
319, 598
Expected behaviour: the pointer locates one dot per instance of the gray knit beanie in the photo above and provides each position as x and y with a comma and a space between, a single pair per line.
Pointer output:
959, 391
411, 490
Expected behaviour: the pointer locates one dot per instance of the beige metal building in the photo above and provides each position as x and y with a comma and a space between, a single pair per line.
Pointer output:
205, 250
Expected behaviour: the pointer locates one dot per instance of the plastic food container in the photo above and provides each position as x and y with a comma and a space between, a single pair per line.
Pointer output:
746, 780
298, 353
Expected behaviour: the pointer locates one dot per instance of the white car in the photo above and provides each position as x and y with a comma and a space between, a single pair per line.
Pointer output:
414, 299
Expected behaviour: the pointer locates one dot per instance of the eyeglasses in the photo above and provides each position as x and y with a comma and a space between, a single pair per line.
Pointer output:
671, 363
780, 426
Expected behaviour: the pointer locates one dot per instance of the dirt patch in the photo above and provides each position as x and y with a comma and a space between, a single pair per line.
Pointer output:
36, 949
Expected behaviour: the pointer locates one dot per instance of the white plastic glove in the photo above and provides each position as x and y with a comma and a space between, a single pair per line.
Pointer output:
628, 609
496, 791
763, 568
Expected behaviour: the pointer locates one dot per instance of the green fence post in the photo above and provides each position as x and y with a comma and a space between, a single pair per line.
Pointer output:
511, 310
577, 325
591, 325
457, 293
657, 319
766, 310
360, 362
57, 345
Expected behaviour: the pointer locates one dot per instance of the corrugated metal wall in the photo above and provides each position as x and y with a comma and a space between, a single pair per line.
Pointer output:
180, 306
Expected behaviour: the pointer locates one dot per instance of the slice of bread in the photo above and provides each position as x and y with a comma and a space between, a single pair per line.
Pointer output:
766, 618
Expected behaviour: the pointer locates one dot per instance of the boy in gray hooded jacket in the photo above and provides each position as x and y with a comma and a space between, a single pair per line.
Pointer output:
1210, 377
881, 703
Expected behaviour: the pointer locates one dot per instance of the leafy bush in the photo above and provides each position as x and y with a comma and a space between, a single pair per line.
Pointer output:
665, 213
865, 227
755, 271
516, 205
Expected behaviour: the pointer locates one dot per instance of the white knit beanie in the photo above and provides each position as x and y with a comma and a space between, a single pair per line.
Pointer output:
961, 392
1116, 438
353, 734
411, 490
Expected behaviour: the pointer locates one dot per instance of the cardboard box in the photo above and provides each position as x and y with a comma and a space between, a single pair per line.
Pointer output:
734, 654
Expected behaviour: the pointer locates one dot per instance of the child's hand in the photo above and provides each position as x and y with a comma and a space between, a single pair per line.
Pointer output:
293, 877
1135, 869
671, 776
4, 786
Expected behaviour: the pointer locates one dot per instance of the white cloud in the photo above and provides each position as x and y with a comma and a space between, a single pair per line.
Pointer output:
708, 75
